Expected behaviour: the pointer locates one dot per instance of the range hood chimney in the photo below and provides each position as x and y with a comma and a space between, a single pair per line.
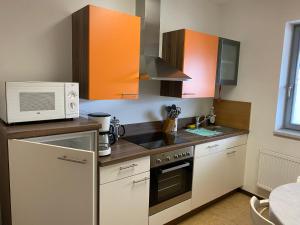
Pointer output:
152, 67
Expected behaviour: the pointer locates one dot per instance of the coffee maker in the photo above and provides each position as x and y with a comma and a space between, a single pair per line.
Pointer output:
106, 134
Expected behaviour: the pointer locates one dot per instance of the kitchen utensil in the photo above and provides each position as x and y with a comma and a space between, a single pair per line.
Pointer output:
173, 111
117, 128
169, 125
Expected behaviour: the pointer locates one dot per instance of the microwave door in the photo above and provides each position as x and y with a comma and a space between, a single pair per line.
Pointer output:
35, 103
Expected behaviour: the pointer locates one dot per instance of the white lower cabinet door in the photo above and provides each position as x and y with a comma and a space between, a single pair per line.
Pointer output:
208, 178
235, 167
52, 185
217, 174
125, 201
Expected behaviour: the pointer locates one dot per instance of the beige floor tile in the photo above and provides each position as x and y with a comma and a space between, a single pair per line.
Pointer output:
233, 210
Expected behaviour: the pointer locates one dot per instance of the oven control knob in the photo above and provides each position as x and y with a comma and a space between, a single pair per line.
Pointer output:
188, 154
175, 156
168, 158
183, 154
158, 161
179, 155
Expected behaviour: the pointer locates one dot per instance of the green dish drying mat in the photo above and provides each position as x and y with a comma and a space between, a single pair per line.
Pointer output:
204, 132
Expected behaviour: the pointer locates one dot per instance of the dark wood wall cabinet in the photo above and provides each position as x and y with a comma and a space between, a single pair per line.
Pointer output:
228, 62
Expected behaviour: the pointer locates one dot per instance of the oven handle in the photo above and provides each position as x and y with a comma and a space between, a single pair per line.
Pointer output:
175, 168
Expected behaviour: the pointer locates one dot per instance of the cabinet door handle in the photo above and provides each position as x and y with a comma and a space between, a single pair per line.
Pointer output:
188, 93
128, 94
213, 146
232, 147
230, 153
128, 167
142, 180
65, 158
290, 89
175, 168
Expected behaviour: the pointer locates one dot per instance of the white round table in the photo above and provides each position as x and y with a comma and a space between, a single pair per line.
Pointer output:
285, 204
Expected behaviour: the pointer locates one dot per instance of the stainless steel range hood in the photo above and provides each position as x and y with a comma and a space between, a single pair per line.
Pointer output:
152, 67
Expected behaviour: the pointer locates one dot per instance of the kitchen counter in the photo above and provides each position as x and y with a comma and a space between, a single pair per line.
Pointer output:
45, 128
123, 150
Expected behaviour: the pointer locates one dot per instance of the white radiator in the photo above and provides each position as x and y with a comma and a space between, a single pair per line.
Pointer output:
276, 169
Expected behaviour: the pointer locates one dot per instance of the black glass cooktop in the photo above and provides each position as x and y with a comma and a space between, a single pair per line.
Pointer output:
155, 140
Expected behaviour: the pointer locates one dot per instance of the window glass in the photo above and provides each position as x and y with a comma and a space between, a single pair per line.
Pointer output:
296, 100
292, 109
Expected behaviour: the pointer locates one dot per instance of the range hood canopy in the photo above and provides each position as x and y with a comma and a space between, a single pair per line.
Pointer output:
152, 67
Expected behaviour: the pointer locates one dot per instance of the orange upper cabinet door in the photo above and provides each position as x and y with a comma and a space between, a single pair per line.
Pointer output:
196, 54
106, 53
200, 63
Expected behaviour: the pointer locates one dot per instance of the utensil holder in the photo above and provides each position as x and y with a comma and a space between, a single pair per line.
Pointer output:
170, 125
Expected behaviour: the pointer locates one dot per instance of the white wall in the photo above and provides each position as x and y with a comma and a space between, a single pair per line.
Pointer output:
260, 26
36, 41
149, 107
199, 15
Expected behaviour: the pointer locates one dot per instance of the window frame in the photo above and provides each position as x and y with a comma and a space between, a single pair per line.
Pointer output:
290, 90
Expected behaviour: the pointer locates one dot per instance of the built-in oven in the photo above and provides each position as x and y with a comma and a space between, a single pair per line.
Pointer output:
171, 177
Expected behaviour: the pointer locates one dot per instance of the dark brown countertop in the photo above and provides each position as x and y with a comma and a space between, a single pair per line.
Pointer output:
38, 129
123, 150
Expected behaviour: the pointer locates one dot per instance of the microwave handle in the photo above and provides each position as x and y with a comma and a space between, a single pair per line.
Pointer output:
175, 168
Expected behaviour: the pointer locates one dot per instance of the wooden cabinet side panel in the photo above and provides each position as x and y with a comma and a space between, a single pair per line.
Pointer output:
172, 49
172, 52
200, 63
114, 54
80, 56
4, 181
171, 88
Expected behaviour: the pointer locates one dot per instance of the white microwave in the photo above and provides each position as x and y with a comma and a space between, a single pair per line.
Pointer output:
37, 101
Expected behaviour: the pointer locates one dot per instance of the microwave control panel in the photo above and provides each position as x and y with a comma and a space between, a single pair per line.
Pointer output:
72, 100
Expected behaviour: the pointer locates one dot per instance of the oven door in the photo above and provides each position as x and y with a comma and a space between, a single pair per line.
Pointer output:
170, 184
34, 101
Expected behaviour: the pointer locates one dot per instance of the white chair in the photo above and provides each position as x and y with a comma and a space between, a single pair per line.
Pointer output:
256, 215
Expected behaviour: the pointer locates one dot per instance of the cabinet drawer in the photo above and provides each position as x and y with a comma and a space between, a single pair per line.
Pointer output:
221, 145
235, 141
124, 169
208, 148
